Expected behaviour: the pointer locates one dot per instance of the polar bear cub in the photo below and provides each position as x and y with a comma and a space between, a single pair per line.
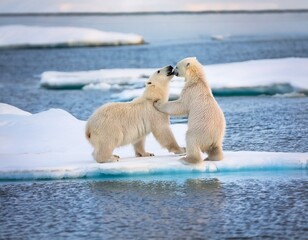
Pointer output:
206, 121
118, 124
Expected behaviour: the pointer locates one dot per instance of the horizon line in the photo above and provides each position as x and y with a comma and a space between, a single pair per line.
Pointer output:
153, 12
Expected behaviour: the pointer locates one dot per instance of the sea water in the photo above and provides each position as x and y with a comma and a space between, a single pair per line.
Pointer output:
265, 204
256, 205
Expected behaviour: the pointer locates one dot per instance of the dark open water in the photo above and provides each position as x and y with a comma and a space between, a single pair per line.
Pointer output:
264, 205
248, 205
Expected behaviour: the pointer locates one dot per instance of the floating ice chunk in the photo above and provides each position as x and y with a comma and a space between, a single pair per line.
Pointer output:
79, 165
52, 145
101, 86
73, 80
290, 95
34, 36
252, 78
128, 94
219, 37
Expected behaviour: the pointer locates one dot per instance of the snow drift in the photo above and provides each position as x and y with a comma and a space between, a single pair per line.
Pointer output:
52, 145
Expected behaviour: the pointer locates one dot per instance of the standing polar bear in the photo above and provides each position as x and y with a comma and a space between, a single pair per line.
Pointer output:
118, 124
206, 121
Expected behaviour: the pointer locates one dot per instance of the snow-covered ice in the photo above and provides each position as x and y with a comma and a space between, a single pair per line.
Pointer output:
35, 36
9, 109
275, 76
59, 80
52, 145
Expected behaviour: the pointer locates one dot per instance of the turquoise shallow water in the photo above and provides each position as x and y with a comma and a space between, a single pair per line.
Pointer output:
258, 205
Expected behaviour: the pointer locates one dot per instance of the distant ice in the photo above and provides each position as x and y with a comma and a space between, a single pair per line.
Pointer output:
52, 145
13, 36
290, 95
71, 80
250, 78
101, 86
219, 37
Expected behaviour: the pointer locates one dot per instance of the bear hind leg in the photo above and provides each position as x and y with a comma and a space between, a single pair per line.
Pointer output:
193, 150
105, 155
215, 153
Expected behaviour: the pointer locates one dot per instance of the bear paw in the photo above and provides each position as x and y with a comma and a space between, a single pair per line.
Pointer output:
113, 158
183, 161
145, 154
180, 151
213, 159
157, 104
187, 161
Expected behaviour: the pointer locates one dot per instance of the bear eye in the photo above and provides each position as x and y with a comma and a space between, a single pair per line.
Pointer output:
149, 82
158, 71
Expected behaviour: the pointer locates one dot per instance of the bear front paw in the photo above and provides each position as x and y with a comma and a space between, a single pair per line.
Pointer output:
157, 104
114, 158
145, 154
207, 159
180, 151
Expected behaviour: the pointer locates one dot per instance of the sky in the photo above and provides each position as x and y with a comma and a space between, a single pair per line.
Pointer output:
18, 6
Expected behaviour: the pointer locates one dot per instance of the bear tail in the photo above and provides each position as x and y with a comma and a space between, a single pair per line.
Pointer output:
88, 133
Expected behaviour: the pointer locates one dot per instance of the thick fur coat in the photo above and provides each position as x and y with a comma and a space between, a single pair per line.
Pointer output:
206, 121
118, 124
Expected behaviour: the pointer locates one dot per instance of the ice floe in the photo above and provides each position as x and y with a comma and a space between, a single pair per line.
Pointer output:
52, 145
250, 78
19, 36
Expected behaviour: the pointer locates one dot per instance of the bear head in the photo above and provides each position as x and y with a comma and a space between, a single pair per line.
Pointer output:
187, 65
157, 86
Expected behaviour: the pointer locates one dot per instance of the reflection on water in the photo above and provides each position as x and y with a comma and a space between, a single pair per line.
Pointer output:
178, 206
156, 188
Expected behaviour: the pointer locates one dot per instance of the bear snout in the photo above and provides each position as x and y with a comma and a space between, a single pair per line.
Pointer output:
175, 72
170, 70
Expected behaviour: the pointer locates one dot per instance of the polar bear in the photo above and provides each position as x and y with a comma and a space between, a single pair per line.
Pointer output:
118, 124
206, 121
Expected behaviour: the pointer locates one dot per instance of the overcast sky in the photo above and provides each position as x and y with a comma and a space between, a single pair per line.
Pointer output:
145, 5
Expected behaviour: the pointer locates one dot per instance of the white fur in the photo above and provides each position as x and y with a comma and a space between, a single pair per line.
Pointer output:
118, 124
206, 121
